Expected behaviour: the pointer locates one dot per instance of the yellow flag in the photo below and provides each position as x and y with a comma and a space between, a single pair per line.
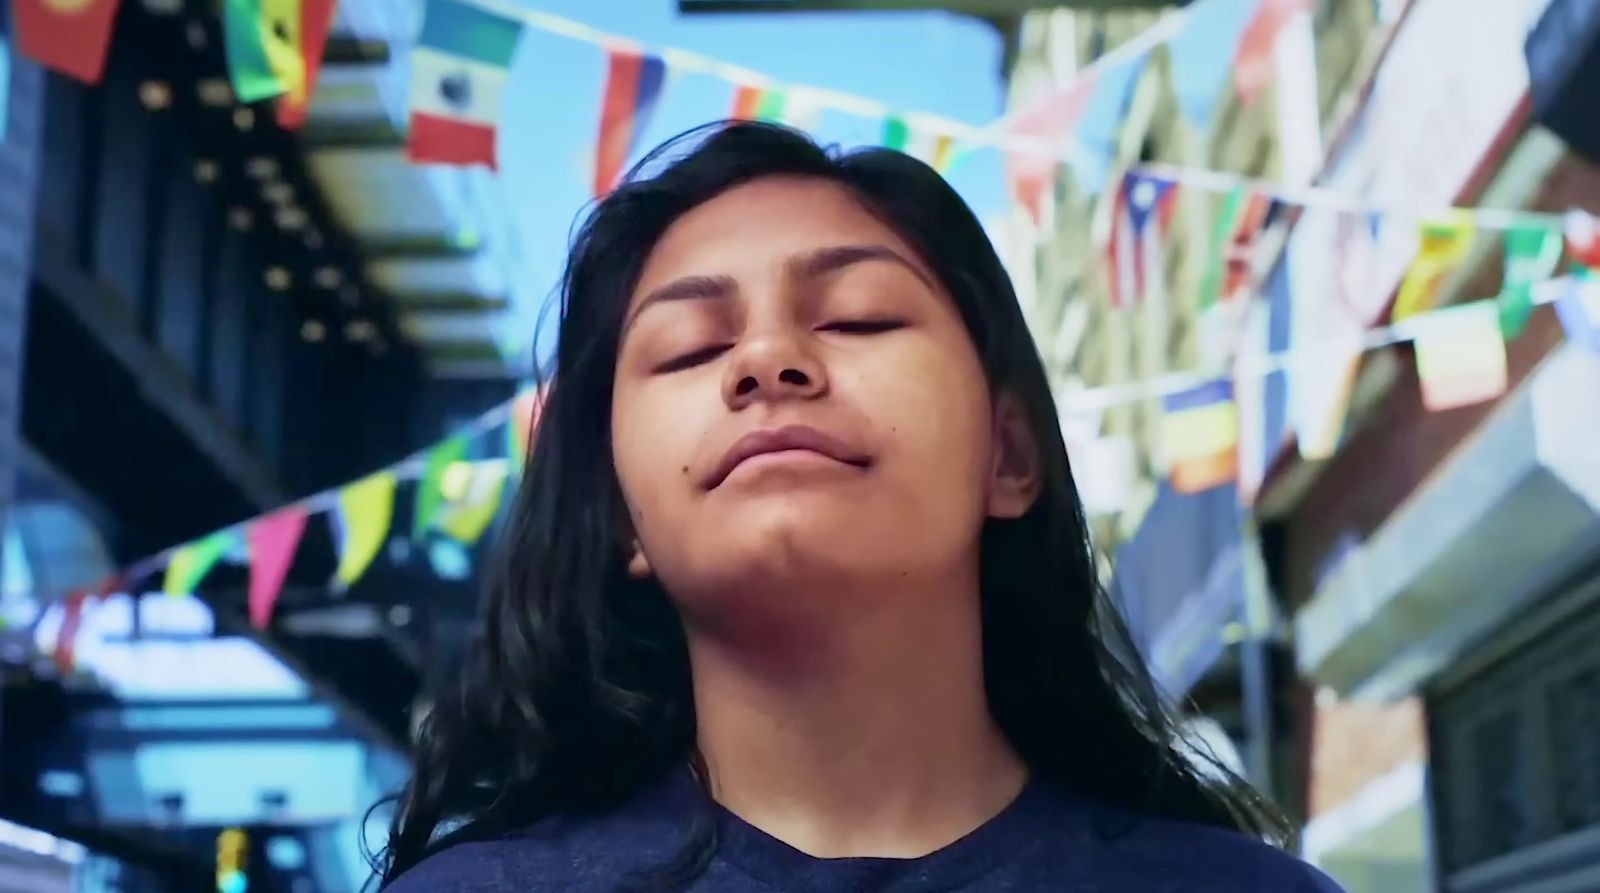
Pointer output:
190, 563
1461, 355
366, 509
1445, 241
466, 520
281, 38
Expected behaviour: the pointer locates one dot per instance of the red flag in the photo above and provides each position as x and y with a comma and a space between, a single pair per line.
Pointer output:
1253, 61
316, 20
273, 540
67, 633
1047, 121
69, 36
633, 84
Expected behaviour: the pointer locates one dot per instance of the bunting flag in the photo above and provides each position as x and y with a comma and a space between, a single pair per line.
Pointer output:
633, 86
1579, 311
316, 20
190, 563
459, 69
747, 102
1461, 355
1202, 55
366, 508
1444, 243
1583, 239
1101, 121
272, 541
1135, 250
66, 36
1532, 251
1252, 63
1337, 356
430, 494
896, 133
466, 519
1200, 434
263, 43
65, 651
1047, 122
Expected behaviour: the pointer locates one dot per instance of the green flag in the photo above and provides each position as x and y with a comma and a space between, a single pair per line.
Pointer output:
1216, 268
262, 42
896, 133
773, 103
1532, 251
429, 495
190, 563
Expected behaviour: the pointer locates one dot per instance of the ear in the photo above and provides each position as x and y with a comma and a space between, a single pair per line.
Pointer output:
1014, 480
638, 564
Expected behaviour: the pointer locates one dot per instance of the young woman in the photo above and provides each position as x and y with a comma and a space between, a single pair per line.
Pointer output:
797, 593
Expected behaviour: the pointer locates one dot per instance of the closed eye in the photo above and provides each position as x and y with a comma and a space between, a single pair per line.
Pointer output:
692, 359
862, 326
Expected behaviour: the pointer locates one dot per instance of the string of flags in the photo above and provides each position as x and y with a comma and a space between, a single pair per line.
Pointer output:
455, 497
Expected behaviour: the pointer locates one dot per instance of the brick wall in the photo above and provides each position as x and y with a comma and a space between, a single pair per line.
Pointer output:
1355, 744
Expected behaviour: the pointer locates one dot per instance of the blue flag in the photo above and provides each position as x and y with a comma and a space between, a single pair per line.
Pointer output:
1202, 55
1100, 121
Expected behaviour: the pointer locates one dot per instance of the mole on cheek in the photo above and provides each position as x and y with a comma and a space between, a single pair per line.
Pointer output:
685, 469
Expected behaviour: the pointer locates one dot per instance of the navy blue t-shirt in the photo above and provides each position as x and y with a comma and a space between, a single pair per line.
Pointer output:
1046, 840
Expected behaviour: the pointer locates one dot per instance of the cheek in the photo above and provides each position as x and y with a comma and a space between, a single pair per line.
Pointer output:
652, 442
932, 407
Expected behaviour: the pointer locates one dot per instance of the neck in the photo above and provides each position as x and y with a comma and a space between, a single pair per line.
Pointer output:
866, 733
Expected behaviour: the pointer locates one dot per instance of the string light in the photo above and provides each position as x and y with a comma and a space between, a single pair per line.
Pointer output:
291, 218
205, 171
214, 92
155, 95
359, 330
313, 331
261, 167
327, 276
244, 118
241, 219
278, 279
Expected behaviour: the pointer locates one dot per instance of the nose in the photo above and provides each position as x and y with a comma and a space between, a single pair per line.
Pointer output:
773, 367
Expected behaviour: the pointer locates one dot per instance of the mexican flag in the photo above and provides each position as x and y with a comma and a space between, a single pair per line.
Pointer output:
458, 71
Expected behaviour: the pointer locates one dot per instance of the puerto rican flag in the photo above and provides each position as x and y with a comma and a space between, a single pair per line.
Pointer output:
458, 73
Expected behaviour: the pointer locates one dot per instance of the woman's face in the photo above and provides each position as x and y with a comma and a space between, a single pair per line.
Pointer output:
798, 406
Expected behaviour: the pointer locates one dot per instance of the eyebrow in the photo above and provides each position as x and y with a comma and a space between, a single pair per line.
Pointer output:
809, 266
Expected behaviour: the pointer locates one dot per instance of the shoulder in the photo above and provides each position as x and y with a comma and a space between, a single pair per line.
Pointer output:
1146, 853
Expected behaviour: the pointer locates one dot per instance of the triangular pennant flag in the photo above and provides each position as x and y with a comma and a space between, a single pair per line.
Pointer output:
1202, 55
430, 495
633, 85
68, 37
1532, 251
459, 68
365, 511
1461, 355
1101, 122
1200, 436
316, 20
466, 519
1583, 239
1253, 62
1046, 123
190, 563
1443, 245
1336, 356
273, 540
263, 44
943, 154
747, 102
896, 133
1579, 311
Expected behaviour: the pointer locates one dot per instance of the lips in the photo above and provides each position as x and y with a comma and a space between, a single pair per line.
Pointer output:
778, 440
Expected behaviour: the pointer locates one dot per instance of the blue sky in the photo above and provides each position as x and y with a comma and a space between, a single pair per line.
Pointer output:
920, 61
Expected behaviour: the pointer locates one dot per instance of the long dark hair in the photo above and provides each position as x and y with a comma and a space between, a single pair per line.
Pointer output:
577, 692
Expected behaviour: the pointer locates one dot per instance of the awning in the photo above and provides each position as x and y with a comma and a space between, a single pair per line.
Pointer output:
1513, 511
1180, 581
